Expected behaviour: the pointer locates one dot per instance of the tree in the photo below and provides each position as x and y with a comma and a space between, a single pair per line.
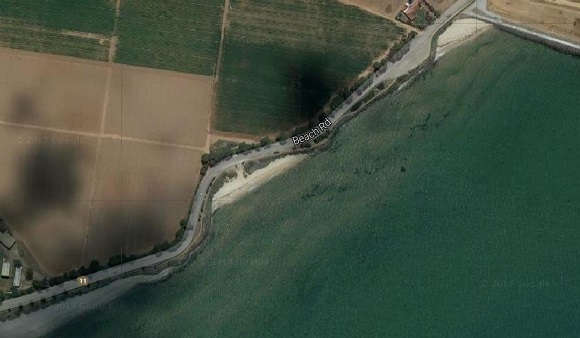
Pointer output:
205, 159
15, 292
336, 101
265, 141
94, 267
1, 296
39, 285
28, 273
73, 274
243, 147
115, 260
82, 271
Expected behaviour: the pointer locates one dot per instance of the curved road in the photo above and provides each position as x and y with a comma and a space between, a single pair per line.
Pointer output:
419, 51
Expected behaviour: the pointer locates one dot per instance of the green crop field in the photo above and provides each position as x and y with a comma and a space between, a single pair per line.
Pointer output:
180, 35
283, 59
79, 28
177, 35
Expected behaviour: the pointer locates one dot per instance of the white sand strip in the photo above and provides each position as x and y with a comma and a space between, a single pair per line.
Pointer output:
239, 186
460, 31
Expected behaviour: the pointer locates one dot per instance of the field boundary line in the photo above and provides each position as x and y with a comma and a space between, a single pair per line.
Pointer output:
218, 67
97, 160
95, 135
114, 38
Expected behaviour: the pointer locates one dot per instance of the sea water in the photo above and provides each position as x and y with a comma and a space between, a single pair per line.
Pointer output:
451, 209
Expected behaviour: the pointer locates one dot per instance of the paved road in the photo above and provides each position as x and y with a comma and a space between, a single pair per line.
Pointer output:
419, 51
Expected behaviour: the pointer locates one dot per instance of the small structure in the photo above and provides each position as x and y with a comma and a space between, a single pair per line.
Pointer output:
7, 240
5, 269
17, 277
412, 8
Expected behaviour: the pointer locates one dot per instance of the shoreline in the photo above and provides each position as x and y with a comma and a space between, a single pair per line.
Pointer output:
235, 188
236, 159
44, 321
41, 322
458, 33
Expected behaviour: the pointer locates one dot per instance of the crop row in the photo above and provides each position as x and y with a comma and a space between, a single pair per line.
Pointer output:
284, 59
44, 41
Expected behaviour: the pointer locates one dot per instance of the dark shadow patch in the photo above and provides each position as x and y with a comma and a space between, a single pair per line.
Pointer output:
23, 108
49, 176
311, 85
127, 228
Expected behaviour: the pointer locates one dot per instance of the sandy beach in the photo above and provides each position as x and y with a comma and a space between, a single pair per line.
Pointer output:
41, 322
460, 31
242, 183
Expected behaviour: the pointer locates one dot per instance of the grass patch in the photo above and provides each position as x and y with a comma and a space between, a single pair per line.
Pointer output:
284, 59
176, 35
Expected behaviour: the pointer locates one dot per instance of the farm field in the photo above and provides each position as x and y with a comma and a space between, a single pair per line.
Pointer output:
557, 17
74, 28
146, 188
31, 94
176, 35
282, 60
179, 35
175, 105
44, 192
74, 185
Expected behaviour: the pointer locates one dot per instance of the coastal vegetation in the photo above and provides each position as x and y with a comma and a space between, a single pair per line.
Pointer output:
479, 224
95, 266
283, 60
224, 150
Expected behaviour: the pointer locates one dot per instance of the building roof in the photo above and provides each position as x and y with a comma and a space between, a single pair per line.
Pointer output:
5, 268
412, 9
7, 240
17, 276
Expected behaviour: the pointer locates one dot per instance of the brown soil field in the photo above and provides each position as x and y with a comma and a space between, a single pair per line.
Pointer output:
171, 108
137, 188
45, 186
555, 17
390, 8
50, 92
97, 159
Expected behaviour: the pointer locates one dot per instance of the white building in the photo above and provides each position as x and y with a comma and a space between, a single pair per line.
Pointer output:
5, 269
17, 276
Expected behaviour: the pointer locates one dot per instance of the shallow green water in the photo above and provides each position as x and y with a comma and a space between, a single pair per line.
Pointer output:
479, 236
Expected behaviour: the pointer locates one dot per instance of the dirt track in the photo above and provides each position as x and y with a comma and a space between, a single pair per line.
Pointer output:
98, 159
